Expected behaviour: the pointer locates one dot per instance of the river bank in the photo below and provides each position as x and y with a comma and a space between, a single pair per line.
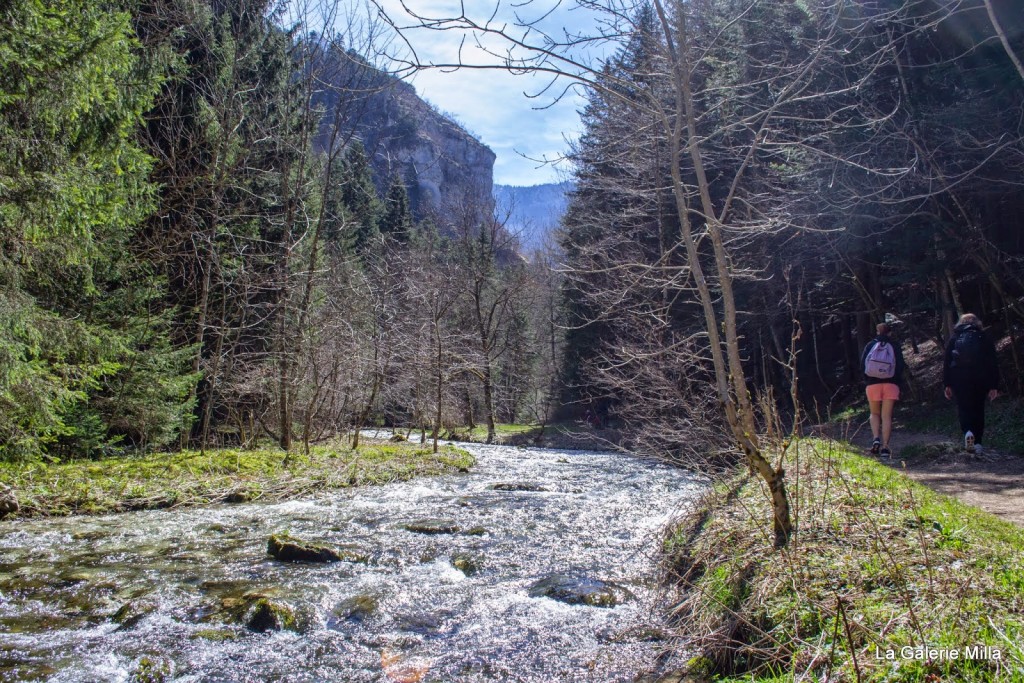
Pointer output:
884, 580
190, 478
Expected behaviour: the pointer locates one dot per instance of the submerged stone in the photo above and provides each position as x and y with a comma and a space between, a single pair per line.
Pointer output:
518, 486
288, 549
432, 526
131, 613
215, 635
356, 609
579, 590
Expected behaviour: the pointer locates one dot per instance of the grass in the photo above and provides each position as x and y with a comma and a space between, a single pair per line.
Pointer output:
878, 564
502, 431
162, 480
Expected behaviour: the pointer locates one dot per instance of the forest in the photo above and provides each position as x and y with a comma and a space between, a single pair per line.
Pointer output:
197, 252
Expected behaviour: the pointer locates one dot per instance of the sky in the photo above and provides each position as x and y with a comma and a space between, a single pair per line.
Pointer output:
494, 104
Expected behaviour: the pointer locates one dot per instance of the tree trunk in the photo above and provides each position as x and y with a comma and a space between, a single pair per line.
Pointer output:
729, 379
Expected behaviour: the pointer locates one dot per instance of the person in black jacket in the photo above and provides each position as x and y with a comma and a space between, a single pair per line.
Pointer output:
883, 373
970, 373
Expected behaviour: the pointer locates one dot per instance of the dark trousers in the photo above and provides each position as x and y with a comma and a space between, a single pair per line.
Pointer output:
970, 408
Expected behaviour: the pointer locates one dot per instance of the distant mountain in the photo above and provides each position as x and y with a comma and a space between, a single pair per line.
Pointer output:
534, 211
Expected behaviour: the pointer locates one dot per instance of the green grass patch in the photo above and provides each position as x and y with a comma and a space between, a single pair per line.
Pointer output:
161, 480
502, 431
878, 564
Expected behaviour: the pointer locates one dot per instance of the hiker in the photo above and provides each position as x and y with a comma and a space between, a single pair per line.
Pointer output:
970, 374
882, 363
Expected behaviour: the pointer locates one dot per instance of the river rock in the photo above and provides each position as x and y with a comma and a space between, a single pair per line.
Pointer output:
356, 608
152, 670
432, 526
517, 486
287, 549
468, 563
270, 615
579, 590
132, 612
8, 501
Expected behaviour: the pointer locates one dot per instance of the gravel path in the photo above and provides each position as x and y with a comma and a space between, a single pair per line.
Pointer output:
992, 481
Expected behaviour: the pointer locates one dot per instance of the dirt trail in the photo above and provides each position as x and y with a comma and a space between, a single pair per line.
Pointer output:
992, 481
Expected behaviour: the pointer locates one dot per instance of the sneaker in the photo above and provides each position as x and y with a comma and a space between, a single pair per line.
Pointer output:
885, 453
876, 445
969, 442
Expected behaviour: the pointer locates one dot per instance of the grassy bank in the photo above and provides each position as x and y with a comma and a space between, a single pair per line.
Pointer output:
879, 564
162, 480
502, 431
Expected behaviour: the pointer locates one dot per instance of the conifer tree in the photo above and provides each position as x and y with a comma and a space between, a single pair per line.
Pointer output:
396, 220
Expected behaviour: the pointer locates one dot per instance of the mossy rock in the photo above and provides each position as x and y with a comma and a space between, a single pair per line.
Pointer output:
241, 495
432, 526
265, 614
518, 486
468, 563
8, 501
579, 590
151, 670
287, 549
356, 609
132, 612
215, 635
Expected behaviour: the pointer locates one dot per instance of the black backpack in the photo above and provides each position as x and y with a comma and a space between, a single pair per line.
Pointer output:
968, 349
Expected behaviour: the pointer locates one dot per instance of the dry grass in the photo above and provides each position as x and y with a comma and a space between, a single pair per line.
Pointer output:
878, 564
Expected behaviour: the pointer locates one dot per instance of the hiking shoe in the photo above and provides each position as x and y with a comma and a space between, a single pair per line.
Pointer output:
876, 445
885, 453
969, 442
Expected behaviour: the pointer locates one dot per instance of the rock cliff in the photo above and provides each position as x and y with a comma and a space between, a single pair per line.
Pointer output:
443, 166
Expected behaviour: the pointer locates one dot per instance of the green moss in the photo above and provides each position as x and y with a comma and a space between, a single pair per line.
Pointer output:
214, 635
150, 670
161, 480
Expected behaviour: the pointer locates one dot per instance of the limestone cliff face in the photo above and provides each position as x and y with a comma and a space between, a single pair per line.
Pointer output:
443, 165
444, 168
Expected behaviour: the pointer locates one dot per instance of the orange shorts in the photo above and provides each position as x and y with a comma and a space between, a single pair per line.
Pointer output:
886, 391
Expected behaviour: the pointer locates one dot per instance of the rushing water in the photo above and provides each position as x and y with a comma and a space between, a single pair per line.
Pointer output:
102, 598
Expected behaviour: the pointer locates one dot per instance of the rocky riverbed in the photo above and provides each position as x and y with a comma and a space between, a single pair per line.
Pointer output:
538, 565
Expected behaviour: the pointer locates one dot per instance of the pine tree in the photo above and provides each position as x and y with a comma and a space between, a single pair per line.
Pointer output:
359, 197
73, 183
397, 221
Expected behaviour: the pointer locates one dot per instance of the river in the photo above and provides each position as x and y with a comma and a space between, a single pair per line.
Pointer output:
160, 593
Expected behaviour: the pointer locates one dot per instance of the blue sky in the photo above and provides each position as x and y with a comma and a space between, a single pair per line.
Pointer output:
494, 104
